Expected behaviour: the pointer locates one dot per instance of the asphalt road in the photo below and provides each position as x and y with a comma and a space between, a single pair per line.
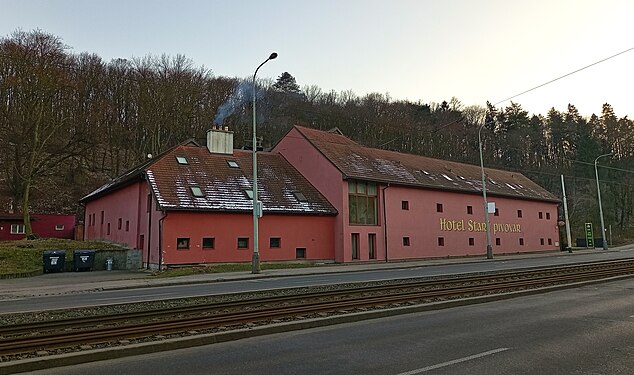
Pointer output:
24, 304
588, 330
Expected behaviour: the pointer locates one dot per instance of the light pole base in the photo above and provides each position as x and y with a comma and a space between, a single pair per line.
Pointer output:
489, 252
255, 263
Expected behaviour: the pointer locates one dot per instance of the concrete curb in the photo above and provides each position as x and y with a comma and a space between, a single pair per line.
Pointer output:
70, 359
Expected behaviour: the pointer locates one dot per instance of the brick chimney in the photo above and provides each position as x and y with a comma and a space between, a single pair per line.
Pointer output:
220, 140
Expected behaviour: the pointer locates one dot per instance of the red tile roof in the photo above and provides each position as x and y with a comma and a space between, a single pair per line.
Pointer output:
224, 187
356, 161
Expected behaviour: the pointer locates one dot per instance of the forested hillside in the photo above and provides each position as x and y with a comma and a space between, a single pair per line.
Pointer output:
69, 122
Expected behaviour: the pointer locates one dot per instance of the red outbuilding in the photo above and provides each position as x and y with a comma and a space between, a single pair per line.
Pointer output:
43, 225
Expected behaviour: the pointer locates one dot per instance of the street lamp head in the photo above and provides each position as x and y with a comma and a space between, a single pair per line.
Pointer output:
273, 55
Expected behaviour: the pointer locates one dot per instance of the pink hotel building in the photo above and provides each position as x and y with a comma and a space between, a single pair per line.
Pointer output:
325, 198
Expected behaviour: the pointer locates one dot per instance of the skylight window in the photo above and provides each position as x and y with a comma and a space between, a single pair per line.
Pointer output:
232, 163
447, 177
181, 160
249, 193
300, 196
197, 191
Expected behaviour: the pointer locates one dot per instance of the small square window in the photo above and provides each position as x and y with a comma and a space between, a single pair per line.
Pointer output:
243, 242
405, 241
471, 241
547, 215
209, 242
275, 242
469, 210
300, 253
182, 243
59, 227
541, 215
405, 205
441, 241
248, 193
438, 207
519, 213
496, 213
232, 163
197, 191
521, 242
541, 241
497, 241
182, 160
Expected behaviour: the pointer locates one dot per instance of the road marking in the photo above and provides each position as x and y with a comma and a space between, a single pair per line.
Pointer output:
455, 361
136, 296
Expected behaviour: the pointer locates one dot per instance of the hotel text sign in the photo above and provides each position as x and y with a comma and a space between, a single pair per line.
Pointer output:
476, 226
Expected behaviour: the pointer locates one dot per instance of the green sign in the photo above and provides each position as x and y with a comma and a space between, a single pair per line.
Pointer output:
589, 235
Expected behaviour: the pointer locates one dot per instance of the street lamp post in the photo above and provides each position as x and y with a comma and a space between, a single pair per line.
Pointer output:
484, 195
257, 207
596, 173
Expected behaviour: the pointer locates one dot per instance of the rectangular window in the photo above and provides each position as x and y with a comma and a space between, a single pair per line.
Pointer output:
182, 160
541, 241
209, 242
275, 242
496, 213
108, 230
498, 241
547, 215
469, 210
541, 215
405, 241
119, 223
405, 205
93, 220
18, 229
521, 242
519, 213
355, 245
127, 225
232, 163
59, 227
102, 217
550, 241
197, 191
362, 203
182, 243
441, 241
243, 242
372, 246
471, 241
438, 207
300, 253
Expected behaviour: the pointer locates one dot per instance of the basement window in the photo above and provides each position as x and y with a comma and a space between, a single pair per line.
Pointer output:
209, 242
243, 242
233, 163
182, 160
17, 229
197, 191
275, 242
300, 253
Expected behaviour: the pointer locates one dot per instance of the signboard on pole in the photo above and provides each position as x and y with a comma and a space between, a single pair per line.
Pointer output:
589, 235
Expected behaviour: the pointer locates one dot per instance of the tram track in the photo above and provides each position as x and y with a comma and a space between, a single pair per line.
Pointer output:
22, 339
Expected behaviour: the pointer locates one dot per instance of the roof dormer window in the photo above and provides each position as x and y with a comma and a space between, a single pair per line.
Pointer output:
197, 191
182, 160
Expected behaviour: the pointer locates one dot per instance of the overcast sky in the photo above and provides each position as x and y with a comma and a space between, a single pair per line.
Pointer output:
427, 50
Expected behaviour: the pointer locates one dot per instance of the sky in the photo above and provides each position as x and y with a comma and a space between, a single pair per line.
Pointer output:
419, 50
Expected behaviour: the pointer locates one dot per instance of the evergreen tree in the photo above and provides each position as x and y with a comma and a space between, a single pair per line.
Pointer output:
286, 82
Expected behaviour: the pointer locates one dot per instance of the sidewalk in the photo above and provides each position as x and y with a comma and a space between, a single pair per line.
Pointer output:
86, 282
